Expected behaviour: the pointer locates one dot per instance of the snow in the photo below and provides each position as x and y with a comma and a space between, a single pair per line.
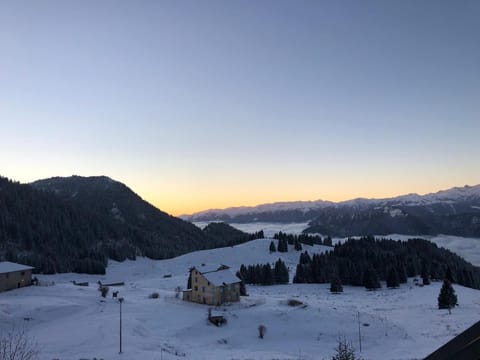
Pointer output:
73, 322
303, 206
451, 196
205, 268
221, 277
7, 267
269, 229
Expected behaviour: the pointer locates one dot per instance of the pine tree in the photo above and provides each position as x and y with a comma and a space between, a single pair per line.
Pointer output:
267, 275
370, 279
282, 245
344, 351
449, 275
281, 272
336, 285
425, 274
298, 246
392, 278
447, 298
327, 241
272, 247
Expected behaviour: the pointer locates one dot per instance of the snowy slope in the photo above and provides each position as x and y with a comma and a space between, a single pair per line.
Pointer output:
71, 322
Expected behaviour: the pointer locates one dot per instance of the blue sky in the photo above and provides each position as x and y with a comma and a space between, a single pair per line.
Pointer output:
212, 104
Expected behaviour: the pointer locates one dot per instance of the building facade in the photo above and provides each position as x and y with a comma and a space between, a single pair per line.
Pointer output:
13, 275
212, 285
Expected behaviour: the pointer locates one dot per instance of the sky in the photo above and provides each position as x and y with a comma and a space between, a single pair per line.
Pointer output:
210, 104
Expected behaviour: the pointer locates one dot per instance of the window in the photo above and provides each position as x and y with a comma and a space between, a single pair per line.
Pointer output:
203, 288
22, 273
196, 279
6, 275
196, 288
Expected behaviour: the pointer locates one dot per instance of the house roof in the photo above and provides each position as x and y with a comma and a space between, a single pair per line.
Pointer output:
221, 277
7, 267
206, 268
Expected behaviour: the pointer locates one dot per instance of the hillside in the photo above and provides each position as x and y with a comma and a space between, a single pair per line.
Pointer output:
78, 223
454, 211
72, 322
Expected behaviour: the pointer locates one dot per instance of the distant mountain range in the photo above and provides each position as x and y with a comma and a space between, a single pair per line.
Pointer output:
76, 223
455, 211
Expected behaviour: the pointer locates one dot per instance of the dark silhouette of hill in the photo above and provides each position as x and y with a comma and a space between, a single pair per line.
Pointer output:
78, 223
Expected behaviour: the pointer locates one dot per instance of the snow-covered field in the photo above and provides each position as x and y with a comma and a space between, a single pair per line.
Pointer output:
72, 322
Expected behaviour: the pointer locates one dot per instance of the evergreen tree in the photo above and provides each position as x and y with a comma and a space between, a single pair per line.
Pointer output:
267, 275
425, 274
281, 272
336, 285
447, 298
327, 241
298, 246
370, 280
344, 351
392, 278
305, 258
449, 275
299, 277
272, 247
282, 245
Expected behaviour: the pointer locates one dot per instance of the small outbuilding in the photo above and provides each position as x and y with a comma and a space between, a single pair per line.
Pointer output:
13, 275
212, 285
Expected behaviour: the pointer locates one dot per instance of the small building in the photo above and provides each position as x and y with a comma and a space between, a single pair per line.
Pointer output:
13, 275
212, 285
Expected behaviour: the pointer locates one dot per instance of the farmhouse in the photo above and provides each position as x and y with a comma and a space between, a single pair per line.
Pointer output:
13, 275
212, 285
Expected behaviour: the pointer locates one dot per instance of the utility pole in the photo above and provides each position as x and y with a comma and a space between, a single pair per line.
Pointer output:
359, 331
120, 300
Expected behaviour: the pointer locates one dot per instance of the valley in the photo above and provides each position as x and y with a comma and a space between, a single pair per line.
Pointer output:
73, 322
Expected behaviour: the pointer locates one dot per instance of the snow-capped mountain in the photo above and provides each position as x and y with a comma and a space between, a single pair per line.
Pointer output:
455, 211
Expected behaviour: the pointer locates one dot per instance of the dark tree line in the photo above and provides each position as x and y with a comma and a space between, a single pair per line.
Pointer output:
256, 235
367, 261
264, 274
303, 239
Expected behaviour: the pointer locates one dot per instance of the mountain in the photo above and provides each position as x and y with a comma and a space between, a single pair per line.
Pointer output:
455, 211
78, 223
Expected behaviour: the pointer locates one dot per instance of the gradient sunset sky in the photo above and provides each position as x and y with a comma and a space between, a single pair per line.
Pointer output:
210, 104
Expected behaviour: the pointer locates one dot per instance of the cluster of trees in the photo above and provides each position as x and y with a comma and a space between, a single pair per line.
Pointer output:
256, 235
303, 239
76, 224
264, 274
367, 261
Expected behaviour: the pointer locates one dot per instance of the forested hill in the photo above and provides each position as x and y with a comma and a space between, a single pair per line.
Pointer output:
78, 223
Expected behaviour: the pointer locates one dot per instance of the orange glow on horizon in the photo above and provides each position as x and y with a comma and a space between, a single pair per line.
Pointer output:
184, 206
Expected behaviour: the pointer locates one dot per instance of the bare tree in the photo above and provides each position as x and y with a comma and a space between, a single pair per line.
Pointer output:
16, 345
